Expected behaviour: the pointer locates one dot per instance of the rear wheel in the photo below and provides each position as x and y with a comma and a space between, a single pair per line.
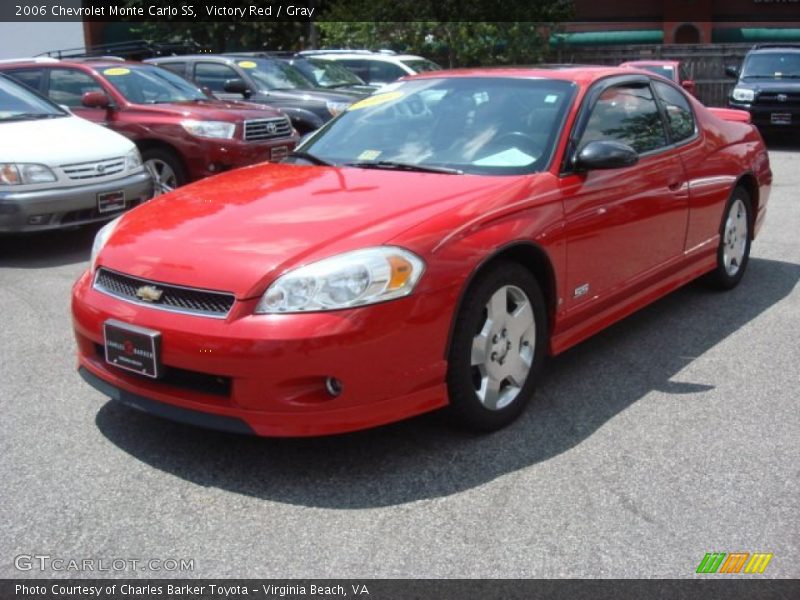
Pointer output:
498, 348
165, 168
733, 253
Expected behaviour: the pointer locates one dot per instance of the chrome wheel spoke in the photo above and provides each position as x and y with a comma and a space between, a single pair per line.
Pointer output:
489, 393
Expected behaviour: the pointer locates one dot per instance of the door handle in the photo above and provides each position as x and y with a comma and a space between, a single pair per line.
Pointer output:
675, 186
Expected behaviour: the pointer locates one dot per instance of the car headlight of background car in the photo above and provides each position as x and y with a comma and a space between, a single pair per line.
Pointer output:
25, 173
210, 129
743, 95
336, 107
100, 239
351, 279
133, 160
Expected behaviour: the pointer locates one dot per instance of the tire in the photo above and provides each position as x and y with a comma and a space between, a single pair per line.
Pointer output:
733, 253
165, 168
493, 361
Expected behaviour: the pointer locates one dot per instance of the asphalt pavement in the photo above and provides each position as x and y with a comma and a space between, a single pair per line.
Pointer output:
669, 435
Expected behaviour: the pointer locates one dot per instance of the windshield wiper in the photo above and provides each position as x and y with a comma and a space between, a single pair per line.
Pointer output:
312, 158
400, 166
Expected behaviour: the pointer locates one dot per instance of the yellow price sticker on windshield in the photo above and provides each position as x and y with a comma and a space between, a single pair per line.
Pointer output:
247, 64
376, 100
116, 71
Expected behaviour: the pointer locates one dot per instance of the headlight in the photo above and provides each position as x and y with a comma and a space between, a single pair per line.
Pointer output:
25, 173
336, 107
133, 160
343, 281
743, 95
100, 239
210, 129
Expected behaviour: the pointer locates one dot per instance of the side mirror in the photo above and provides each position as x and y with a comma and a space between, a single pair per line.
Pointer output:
689, 85
95, 100
605, 154
732, 71
237, 86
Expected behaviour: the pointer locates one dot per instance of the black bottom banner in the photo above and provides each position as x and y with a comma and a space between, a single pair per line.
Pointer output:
396, 589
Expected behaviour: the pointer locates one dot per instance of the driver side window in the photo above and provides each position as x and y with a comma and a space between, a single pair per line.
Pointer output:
626, 114
213, 76
67, 86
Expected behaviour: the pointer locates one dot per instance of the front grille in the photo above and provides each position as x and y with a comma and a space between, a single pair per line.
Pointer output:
771, 98
266, 129
194, 381
173, 298
94, 169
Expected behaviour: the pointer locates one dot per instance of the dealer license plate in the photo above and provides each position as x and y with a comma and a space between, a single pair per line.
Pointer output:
278, 153
110, 201
781, 118
132, 348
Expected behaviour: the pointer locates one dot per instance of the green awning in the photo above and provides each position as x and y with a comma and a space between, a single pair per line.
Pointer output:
732, 35
607, 38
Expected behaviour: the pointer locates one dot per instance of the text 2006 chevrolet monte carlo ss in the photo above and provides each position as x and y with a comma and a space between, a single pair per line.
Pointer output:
427, 248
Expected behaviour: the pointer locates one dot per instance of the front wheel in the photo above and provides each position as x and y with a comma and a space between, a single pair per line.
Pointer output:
733, 252
165, 168
498, 347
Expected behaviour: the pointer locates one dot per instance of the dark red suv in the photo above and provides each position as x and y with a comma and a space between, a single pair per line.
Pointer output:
182, 134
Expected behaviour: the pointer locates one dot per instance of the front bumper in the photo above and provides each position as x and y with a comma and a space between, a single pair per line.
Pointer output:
41, 210
267, 373
761, 115
216, 156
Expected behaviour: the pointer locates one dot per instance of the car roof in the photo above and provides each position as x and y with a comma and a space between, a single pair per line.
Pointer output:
651, 62
579, 74
365, 56
772, 48
86, 65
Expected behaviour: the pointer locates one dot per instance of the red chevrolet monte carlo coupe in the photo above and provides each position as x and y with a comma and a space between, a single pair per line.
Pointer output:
428, 248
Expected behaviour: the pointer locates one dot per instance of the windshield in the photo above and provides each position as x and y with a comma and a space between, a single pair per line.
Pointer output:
772, 65
482, 125
18, 103
326, 73
150, 85
274, 74
663, 70
420, 65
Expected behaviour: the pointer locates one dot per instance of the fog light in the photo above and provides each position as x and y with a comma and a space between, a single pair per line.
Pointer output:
333, 386
38, 219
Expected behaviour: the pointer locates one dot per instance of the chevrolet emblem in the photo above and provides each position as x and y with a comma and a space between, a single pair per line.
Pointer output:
149, 293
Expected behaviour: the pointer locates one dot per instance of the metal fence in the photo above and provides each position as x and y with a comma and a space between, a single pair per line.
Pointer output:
705, 62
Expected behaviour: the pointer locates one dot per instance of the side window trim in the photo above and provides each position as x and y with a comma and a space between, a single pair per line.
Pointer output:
663, 109
585, 111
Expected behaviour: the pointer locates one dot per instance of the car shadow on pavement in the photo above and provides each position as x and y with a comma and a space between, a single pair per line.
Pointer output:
47, 248
424, 458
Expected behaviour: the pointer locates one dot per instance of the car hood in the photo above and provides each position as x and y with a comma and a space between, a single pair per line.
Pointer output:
311, 95
52, 141
237, 231
212, 110
771, 85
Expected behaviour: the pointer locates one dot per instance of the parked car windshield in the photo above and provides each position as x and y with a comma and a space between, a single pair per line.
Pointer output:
274, 74
773, 64
481, 125
18, 104
420, 65
150, 85
664, 70
326, 73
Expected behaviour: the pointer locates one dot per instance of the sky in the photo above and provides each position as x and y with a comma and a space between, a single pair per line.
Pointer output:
24, 39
